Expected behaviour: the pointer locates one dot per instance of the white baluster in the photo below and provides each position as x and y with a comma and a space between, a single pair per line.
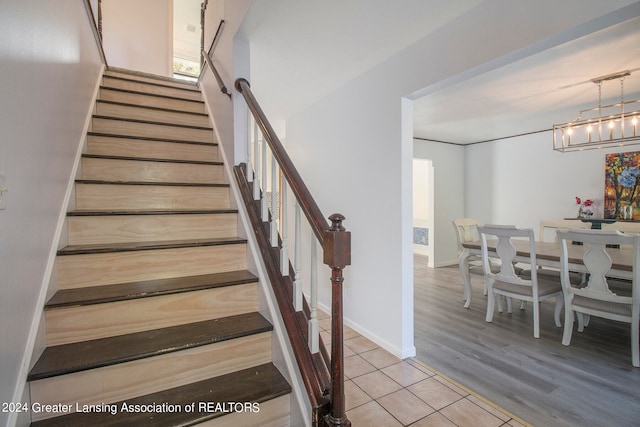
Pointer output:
249, 140
284, 250
314, 330
256, 155
263, 162
275, 212
297, 283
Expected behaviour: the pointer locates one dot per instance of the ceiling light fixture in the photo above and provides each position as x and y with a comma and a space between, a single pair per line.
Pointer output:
601, 126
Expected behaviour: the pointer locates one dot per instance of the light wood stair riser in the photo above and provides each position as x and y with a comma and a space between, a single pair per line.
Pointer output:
77, 271
140, 197
273, 413
143, 78
151, 130
107, 94
88, 230
128, 147
141, 113
107, 169
156, 89
80, 323
126, 380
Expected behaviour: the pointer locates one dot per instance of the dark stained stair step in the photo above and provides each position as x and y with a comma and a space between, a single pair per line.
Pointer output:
145, 212
144, 289
257, 384
150, 159
166, 110
143, 246
166, 184
146, 138
151, 122
84, 355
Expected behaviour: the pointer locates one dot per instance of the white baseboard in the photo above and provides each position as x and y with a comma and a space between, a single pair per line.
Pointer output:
402, 353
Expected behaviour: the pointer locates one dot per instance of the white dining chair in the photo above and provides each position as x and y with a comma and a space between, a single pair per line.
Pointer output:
549, 227
507, 283
598, 298
552, 225
467, 231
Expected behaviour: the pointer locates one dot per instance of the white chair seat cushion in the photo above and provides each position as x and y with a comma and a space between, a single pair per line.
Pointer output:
545, 273
594, 304
545, 287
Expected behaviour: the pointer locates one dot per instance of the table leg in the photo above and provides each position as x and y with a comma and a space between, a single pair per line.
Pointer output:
463, 263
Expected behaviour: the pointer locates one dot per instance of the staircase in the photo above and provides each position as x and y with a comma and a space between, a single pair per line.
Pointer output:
154, 320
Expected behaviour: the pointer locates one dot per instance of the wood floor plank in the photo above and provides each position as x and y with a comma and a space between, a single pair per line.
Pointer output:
589, 383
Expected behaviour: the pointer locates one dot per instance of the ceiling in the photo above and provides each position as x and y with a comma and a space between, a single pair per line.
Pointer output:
535, 93
336, 41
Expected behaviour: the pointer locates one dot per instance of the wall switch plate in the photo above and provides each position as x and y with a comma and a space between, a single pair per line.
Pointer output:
3, 198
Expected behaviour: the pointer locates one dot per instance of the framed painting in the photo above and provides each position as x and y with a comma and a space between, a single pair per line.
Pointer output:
621, 185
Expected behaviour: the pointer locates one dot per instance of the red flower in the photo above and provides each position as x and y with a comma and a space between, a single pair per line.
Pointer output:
578, 201
588, 202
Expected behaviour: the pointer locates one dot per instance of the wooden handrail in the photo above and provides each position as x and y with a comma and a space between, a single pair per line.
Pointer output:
336, 247
307, 203
96, 28
221, 84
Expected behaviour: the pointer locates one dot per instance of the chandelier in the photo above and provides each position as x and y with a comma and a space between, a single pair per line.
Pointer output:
601, 126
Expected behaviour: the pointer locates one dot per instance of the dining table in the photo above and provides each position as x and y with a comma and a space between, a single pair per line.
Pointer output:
547, 255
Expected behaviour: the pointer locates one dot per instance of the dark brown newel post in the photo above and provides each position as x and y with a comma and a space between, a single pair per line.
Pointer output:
337, 255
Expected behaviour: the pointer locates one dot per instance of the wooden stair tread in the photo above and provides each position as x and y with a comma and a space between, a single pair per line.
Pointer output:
147, 288
111, 69
148, 212
150, 159
146, 107
137, 92
169, 184
158, 82
80, 356
146, 138
143, 246
257, 384
151, 122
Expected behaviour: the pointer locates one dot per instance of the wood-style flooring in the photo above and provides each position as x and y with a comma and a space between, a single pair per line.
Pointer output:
589, 383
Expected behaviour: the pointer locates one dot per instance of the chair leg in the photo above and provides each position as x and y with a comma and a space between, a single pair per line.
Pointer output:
568, 325
580, 321
523, 304
536, 319
490, 306
509, 305
635, 345
556, 313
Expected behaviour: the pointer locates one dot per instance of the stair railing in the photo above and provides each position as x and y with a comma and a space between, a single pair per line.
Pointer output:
206, 55
266, 181
96, 27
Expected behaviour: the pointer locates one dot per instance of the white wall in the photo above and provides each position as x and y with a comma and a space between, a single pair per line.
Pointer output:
522, 181
137, 35
353, 154
449, 190
49, 66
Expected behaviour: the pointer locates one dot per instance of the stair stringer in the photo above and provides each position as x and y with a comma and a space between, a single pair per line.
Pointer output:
36, 339
282, 352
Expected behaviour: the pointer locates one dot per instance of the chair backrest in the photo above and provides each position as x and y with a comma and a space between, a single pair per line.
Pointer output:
466, 231
506, 251
597, 251
554, 224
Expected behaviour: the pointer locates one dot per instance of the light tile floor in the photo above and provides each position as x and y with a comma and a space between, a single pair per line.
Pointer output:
382, 390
